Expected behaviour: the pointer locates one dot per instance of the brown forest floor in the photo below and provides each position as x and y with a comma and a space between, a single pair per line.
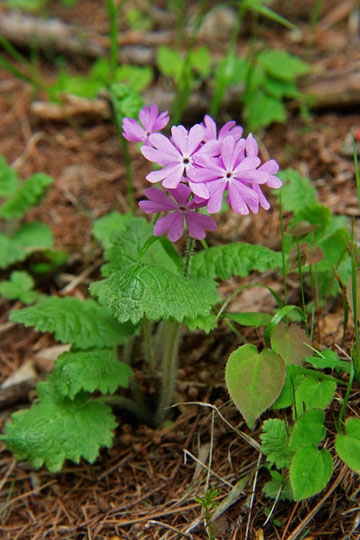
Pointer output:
148, 481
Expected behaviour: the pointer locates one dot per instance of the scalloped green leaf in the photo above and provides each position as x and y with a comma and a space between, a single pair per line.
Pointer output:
203, 322
82, 323
297, 191
19, 286
310, 471
127, 244
348, 445
90, 370
250, 318
253, 380
30, 237
237, 259
58, 428
278, 482
26, 196
275, 442
282, 65
9, 180
155, 293
104, 227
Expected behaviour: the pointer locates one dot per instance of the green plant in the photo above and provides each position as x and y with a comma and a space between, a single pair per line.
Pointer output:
20, 238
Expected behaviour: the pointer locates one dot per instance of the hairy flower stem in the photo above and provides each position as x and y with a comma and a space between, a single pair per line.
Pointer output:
129, 176
190, 244
172, 331
169, 369
148, 344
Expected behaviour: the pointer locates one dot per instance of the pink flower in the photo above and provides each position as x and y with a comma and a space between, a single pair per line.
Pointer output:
175, 156
210, 130
180, 208
231, 171
151, 122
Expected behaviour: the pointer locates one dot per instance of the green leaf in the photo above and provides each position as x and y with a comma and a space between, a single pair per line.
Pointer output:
127, 245
169, 62
308, 429
231, 260
313, 393
280, 89
90, 370
297, 191
203, 322
29, 194
334, 247
125, 100
251, 318
155, 293
348, 446
277, 483
258, 7
291, 343
317, 214
200, 60
30, 237
82, 323
105, 227
19, 287
59, 428
263, 109
137, 77
329, 359
310, 471
282, 65
275, 443
9, 180
287, 396
253, 380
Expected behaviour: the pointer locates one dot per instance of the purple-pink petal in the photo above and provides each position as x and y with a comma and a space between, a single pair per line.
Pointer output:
133, 132
158, 156
216, 190
181, 194
158, 201
252, 148
199, 189
173, 223
196, 135
264, 203
197, 223
180, 137
174, 175
161, 121
163, 144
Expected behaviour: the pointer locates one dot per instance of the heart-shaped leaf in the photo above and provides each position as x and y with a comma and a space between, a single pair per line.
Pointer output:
290, 342
254, 381
310, 471
348, 446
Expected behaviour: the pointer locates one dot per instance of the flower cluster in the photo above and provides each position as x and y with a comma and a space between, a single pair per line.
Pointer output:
198, 167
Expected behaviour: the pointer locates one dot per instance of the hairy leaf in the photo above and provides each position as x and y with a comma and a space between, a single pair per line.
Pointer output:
254, 380
30, 237
58, 428
329, 359
19, 287
275, 443
297, 191
314, 393
278, 482
105, 227
27, 195
348, 446
9, 180
155, 293
282, 65
263, 109
310, 471
128, 243
202, 322
237, 259
291, 343
90, 370
82, 323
